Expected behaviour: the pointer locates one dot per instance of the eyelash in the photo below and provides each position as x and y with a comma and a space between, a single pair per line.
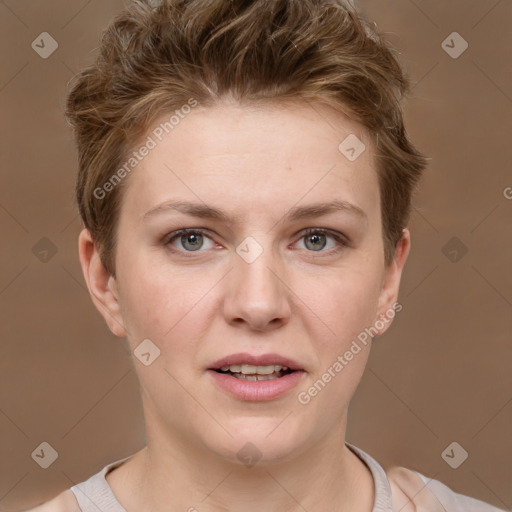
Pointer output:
341, 240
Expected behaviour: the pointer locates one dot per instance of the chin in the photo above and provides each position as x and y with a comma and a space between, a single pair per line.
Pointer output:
257, 441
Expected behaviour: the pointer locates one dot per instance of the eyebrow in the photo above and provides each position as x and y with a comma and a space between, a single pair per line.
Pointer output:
295, 213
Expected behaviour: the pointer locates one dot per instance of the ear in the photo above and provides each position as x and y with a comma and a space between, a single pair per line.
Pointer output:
102, 286
387, 305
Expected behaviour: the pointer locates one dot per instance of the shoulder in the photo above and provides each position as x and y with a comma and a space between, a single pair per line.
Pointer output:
413, 492
405, 488
64, 502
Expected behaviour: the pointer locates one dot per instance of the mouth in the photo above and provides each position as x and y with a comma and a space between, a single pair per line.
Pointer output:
256, 378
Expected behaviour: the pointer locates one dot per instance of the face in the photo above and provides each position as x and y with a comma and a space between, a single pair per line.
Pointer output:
272, 276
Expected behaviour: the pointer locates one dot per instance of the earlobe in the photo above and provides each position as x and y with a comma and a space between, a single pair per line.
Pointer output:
102, 286
387, 306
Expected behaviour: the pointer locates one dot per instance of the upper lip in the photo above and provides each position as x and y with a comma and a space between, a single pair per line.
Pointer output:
261, 360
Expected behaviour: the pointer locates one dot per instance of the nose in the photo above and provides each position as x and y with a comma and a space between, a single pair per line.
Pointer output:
257, 294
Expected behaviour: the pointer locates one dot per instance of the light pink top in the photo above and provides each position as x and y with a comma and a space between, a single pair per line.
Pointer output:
425, 494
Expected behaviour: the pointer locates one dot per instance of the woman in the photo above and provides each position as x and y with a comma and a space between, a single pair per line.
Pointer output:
245, 184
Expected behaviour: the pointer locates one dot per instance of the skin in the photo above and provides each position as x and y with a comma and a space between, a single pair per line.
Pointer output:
255, 164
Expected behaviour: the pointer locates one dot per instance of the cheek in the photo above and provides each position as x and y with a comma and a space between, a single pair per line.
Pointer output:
162, 304
347, 304
342, 303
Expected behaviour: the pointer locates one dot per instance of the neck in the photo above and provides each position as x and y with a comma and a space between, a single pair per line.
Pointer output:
327, 475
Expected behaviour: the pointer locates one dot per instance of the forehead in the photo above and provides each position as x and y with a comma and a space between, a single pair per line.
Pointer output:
259, 155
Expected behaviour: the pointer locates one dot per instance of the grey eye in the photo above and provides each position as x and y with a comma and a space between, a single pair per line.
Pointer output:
194, 241
318, 241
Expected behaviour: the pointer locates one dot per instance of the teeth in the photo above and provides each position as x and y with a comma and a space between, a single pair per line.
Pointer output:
241, 376
248, 369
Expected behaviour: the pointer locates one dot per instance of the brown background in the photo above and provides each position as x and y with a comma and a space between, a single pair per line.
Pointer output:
440, 374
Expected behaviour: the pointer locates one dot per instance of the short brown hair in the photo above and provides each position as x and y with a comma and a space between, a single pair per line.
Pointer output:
156, 55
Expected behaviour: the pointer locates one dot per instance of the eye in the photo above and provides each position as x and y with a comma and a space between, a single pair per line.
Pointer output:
315, 240
191, 240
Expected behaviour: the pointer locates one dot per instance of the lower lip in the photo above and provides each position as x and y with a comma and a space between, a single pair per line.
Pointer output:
257, 390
